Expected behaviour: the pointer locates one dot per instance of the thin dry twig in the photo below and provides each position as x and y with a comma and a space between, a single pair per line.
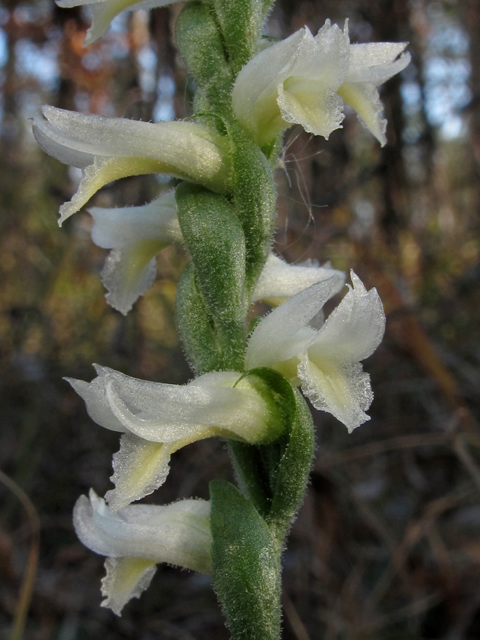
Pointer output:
347, 600
293, 618
457, 632
405, 326
466, 459
415, 532
413, 609
375, 448
31, 566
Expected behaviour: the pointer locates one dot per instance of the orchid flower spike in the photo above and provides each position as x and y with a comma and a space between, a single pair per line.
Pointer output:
280, 280
140, 536
135, 235
305, 80
108, 149
326, 361
104, 11
158, 419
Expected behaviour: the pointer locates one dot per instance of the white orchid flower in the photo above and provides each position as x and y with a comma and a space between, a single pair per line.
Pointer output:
135, 235
280, 280
104, 11
158, 419
305, 80
140, 536
108, 149
325, 362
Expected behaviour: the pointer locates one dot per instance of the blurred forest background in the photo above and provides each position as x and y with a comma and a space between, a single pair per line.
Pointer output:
387, 543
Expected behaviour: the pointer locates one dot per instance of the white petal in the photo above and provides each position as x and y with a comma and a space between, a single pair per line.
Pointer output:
139, 468
98, 408
376, 62
256, 87
100, 173
179, 414
323, 58
126, 578
105, 10
168, 142
55, 146
129, 272
354, 329
334, 44
178, 533
364, 98
280, 280
68, 4
314, 106
141, 4
84, 524
342, 390
284, 333
121, 226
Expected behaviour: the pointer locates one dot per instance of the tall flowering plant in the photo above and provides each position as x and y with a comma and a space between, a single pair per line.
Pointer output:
248, 383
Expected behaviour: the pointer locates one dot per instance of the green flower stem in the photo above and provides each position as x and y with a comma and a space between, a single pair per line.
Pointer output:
229, 238
255, 198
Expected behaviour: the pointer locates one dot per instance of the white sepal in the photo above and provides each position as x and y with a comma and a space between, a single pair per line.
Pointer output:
280, 280
111, 148
325, 361
286, 331
355, 328
104, 11
135, 235
129, 272
365, 99
139, 536
371, 65
121, 226
376, 62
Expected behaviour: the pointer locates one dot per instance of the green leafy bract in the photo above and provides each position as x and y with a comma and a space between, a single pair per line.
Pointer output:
246, 565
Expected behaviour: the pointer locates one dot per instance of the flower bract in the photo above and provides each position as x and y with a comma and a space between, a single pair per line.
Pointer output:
138, 537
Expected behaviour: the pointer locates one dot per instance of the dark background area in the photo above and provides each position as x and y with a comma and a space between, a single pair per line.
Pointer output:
387, 542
